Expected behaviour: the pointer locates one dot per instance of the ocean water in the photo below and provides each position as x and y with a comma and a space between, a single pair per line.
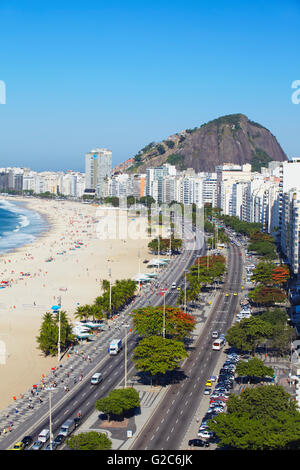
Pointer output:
18, 225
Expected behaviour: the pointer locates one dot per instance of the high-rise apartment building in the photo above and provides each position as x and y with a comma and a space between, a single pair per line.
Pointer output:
98, 166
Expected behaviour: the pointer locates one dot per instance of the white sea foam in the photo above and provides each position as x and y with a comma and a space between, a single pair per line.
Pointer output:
28, 225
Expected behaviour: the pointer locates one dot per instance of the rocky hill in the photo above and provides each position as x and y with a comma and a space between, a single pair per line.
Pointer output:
228, 139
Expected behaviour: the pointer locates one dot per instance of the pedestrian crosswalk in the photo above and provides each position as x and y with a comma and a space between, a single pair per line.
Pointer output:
147, 398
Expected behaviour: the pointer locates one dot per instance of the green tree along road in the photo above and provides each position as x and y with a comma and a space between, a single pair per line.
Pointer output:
248, 334
119, 294
158, 355
118, 402
164, 244
260, 418
89, 441
48, 336
204, 271
267, 296
148, 321
253, 368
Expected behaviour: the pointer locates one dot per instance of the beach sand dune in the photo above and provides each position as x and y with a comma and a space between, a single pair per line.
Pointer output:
56, 267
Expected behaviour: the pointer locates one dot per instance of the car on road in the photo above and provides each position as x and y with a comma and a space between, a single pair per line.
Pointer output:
59, 440
208, 383
198, 443
77, 421
44, 435
215, 334
174, 286
48, 446
27, 440
18, 446
37, 445
207, 391
96, 378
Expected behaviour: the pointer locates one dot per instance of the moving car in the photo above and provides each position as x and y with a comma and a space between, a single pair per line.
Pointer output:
18, 446
96, 379
59, 440
67, 428
48, 446
215, 334
44, 435
27, 440
37, 445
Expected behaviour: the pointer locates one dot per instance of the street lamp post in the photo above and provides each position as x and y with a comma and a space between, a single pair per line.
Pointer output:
184, 291
58, 345
56, 308
50, 389
163, 293
125, 373
109, 273
164, 317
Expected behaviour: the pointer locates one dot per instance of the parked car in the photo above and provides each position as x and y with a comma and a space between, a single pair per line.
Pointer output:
207, 391
205, 434
198, 443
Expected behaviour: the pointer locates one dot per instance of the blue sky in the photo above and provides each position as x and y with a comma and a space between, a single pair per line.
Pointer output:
121, 74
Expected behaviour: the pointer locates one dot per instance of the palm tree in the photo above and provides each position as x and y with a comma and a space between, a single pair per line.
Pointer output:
83, 312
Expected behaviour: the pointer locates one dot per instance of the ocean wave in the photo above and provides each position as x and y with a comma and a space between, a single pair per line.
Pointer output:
21, 225
24, 222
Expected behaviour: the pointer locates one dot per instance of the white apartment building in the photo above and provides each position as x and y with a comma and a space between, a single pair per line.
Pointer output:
290, 228
209, 189
228, 175
98, 166
154, 180
289, 201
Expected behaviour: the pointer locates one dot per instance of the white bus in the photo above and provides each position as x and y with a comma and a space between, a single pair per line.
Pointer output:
218, 344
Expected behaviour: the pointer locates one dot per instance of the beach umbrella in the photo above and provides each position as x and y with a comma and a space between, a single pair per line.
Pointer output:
55, 307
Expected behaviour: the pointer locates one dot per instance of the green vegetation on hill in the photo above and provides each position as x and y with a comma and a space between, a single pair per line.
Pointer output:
260, 158
176, 159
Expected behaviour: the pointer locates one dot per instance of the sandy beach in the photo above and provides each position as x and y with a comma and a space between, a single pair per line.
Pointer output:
69, 261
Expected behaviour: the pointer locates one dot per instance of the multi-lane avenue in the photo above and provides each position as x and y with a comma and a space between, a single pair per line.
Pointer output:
167, 426
82, 395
